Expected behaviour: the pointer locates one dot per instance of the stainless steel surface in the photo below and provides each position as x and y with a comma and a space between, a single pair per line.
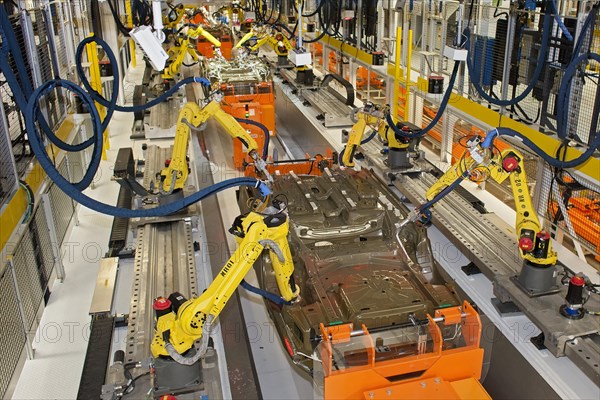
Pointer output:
164, 263
154, 162
105, 286
161, 121
335, 112
584, 352
298, 135
243, 380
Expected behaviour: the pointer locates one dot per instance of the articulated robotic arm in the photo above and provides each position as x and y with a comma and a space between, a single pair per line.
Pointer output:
535, 245
374, 117
178, 52
175, 174
277, 40
177, 55
181, 322
200, 31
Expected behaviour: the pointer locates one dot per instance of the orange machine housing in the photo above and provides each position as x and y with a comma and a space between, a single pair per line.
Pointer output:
585, 217
254, 101
435, 372
366, 79
306, 166
206, 48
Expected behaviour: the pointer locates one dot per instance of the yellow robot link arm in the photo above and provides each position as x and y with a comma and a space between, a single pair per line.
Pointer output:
354, 140
367, 116
534, 244
177, 57
236, 131
179, 326
245, 38
200, 31
176, 173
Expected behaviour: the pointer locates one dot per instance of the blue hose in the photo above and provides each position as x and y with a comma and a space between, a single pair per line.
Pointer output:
422, 132
560, 22
74, 190
565, 91
491, 136
264, 293
476, 78
425, 206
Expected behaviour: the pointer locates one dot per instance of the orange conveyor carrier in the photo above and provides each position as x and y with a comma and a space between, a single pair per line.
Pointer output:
255, 101
375, 366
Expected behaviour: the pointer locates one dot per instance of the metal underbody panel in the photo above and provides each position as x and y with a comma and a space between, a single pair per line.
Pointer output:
244, 69
352, 262
495, 252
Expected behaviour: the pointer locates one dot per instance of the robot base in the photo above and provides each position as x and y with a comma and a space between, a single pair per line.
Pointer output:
536, 280
174, 378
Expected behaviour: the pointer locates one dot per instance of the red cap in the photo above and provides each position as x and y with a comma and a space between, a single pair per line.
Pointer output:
577, 280
510, 164
543, 235
161, 304
168, 397
525, 244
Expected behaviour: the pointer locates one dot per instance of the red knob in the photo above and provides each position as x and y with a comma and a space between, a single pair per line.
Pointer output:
543, 235
577, 280
161, 304
525, 244
510, 164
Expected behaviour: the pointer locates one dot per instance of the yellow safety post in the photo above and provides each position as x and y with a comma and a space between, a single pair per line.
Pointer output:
407, 75
96, 83
397, 76
130, 26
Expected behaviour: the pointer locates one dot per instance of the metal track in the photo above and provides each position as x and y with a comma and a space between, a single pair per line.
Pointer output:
164, 263
335, 112
494, 250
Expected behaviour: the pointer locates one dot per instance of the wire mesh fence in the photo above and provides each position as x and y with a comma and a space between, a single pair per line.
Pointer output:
570, 204
11, 330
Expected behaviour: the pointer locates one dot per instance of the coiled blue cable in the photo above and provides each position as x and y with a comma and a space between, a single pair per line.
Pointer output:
476, 78
74, 190
494, 133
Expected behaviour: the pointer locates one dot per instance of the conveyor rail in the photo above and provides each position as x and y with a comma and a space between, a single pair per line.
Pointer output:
494, 250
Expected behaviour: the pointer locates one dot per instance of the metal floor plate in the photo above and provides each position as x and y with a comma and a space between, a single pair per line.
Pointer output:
164, 263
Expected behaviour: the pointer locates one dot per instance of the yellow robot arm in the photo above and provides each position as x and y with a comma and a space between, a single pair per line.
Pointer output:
354, 139
372, 116
200, 31
245, 38
176, 173
261, 42
534, 244
177, 331
177, 57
